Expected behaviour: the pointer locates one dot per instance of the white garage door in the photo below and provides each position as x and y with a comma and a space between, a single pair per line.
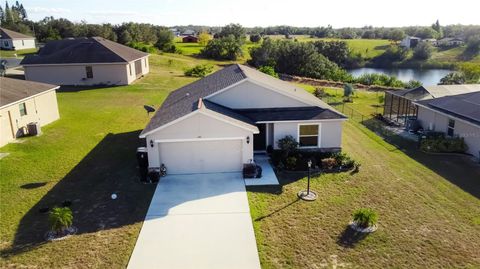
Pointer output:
201, 156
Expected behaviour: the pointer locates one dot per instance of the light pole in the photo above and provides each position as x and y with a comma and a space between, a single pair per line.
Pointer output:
308, 195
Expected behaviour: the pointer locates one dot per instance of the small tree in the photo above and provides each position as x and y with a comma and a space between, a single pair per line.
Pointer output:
381, 99
165, 41
365, 217
203, 38
200, 70
60, 219
348, 91
422, 51
268, 70
287, 145
255, 38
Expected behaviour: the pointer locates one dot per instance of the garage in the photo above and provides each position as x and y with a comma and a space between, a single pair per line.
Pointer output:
201, 156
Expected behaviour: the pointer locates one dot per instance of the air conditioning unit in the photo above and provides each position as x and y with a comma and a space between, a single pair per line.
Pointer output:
34, 128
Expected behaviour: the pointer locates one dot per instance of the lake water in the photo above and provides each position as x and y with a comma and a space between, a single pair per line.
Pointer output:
428, 77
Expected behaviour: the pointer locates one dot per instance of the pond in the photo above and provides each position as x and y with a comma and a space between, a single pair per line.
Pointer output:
428, 77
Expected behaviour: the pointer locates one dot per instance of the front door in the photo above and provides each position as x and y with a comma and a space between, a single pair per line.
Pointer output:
260, 139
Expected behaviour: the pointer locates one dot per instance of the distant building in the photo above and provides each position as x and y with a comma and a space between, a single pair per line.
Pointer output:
410, 42
431, 41
23, 102
450, 42
188, 32
174, 31
86, 61
190, 39
10, 40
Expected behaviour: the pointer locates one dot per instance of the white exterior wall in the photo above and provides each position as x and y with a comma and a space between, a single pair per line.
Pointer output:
131, 65
22, 44
107, 74
199, 126
41, 108
434, 121
330, 132
249, 95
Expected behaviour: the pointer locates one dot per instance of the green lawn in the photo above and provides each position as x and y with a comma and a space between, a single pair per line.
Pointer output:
428, 205
19, 53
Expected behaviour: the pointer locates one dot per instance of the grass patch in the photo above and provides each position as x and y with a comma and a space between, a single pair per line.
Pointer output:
19, 53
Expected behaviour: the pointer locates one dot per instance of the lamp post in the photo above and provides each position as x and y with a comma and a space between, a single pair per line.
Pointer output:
308, 195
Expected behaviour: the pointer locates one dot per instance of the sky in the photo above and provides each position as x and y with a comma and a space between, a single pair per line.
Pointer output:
249, 13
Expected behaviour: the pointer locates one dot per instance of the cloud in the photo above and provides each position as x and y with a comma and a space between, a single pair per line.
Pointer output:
48, 10
112, 13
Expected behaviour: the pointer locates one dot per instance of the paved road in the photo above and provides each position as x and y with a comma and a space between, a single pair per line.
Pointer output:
197, 221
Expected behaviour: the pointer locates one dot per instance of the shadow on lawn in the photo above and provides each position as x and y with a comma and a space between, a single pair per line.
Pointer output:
67, 88
349, 237
109, 168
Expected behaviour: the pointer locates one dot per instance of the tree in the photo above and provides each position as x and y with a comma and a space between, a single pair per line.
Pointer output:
233, 29
422, 51
473, 47
336, 51
255, 38
60, 218
203, 38
165, 41
348, 91
436, 26
224, 48
268, 70
453, 78
396, 35
125, 37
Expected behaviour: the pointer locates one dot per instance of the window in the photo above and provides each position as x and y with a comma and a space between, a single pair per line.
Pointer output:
451, 127
308, 135
130, 69
23, 43
89, 71
5, 43
23, 109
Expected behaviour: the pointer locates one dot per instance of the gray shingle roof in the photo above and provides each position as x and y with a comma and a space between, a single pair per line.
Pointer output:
465, 106
14, 90
84, 50
185, 100
9, 34
289, 113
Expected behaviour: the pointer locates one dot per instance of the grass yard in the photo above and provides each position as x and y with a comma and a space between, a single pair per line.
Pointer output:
19, 53
429, 205
429, 214
85, 156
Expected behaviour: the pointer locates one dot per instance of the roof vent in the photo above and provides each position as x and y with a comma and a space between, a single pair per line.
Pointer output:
187, 94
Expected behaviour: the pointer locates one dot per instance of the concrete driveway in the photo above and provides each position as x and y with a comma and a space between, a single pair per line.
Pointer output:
197, 221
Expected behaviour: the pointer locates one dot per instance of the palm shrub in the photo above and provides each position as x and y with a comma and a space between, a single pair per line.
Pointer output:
60, 218
287, 145
365, 217
198, 71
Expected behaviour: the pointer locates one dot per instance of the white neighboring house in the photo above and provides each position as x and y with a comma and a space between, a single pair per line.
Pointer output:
23, 102
10, 40
86, 62
450, 42
455, 115
410, 42
215, 124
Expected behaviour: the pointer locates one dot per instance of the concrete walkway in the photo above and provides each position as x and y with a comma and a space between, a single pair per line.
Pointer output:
197, 221
268, 175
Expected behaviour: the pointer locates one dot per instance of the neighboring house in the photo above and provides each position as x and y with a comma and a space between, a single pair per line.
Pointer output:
190, 39
86, 61
399, 107
431, 41
450, 42
10, 40
188, 32
23, 102
215, 124
410, 42
455, 115
174, 31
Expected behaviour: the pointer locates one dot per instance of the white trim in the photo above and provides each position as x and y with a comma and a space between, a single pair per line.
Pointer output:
74, 64
318, 136
226, 88
447, 115
232, 121
197, 139
300, 121
29, 97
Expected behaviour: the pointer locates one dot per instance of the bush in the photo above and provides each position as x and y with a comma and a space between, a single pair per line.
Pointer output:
268, 70
291, 163
423, 51
446, 145
348, 91
165, 41
142, 47
329, 163
343, 159
255, 38
287, 145
60, 218
224, 48
200, 70
365, 217
453, 78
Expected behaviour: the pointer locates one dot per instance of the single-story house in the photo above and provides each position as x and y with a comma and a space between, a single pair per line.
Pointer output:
450, 42
174, 31
86, 61
10, 40
398, 106
188, 32
410, 42
431, 41
455, 115
190, 39
215, 124
23, 102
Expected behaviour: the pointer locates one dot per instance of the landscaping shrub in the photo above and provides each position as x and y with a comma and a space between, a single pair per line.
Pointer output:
60, 218
291, 163
200, 70
343, 160
329, 163
365, 217
268, 70
447, 145
287, 145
